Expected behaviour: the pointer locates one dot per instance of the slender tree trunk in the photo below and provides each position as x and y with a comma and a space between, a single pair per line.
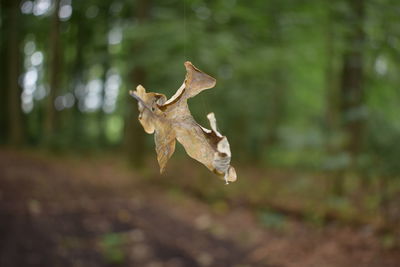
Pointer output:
106, 63
276, 110
78, 74
352, 78
101, 118
332, 112
134, 134
55, 73
332, 94
3, 73
14, 92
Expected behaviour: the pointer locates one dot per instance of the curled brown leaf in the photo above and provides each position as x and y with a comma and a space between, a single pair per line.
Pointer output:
171, 120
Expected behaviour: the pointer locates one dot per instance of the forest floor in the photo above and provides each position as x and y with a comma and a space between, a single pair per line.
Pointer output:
63, 211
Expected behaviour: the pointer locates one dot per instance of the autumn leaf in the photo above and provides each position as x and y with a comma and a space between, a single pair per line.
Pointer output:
171, 120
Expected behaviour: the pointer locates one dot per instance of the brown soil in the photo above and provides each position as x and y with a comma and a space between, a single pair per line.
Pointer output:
81, 212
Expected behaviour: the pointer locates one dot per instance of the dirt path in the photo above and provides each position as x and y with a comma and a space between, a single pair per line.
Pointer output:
64, 212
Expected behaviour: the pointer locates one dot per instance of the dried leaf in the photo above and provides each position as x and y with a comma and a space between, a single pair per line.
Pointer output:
171, 119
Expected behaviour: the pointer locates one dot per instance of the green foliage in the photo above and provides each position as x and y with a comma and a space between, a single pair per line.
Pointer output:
112, 248
273, 220
279, 65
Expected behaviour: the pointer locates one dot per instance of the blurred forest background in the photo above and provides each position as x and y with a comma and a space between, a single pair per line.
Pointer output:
307, 94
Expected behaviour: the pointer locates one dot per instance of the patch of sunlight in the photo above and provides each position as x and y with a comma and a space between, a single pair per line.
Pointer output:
92, 100
29, 48
41, 7
27, 7
381, 66
111, 88
65, 12
30, 77
37, 58
39, 93
26, 102
64, 101
115, 36
29, 81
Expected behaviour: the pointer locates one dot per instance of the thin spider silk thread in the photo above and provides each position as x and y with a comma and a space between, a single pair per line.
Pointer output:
184, 30
204, 104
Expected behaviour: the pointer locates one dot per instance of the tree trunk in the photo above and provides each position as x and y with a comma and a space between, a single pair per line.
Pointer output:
106, 63
15, 135
3, 74
331, 88
101, 116
55, 74
335, 178
352, 79
78, 67
134, 134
